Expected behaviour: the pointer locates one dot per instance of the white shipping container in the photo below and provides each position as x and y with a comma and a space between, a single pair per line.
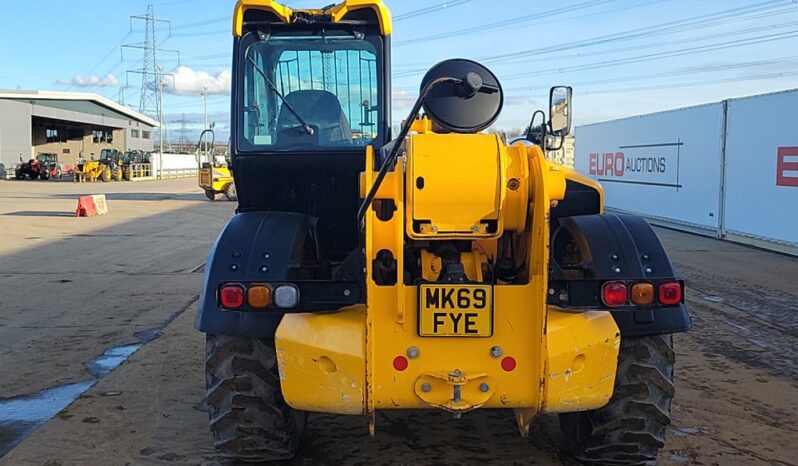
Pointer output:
761, 182
665, 166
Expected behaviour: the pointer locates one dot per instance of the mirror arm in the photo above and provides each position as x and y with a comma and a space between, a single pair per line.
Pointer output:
391, 158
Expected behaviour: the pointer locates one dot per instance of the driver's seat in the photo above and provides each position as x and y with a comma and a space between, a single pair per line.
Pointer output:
318, 108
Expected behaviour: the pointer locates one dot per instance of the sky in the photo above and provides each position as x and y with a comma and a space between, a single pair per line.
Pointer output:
623, 57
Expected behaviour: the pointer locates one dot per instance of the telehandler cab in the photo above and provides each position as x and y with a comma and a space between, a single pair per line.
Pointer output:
440, 269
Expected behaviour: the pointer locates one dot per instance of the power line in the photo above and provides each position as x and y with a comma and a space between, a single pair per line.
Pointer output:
693, 70
660, 55
670, 27
504, 23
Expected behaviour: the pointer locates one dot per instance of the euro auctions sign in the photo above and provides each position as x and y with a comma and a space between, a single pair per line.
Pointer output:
654, 164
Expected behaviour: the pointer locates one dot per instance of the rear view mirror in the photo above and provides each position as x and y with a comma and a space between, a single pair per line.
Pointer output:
560, 110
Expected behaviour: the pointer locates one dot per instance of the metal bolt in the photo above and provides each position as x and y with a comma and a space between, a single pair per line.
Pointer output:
347, 292
649, 270
496, 352
425, 387
234, 267
237, 255
646, 257
513, 184
457, 393
614, 257
413, 352
616, 269
434, 228
551, 291
483, 387
474, 228
264, 268
267, 255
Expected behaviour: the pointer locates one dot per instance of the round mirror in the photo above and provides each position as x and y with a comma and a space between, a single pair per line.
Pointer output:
453, 106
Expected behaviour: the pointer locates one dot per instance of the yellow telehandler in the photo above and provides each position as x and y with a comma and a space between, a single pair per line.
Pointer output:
437, 268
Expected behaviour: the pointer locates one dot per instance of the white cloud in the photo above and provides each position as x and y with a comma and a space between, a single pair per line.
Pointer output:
108, 80
189, 81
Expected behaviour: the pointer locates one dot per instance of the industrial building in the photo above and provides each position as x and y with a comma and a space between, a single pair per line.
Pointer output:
69, 124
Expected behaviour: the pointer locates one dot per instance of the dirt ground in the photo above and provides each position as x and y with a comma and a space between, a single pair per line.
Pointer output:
136, 270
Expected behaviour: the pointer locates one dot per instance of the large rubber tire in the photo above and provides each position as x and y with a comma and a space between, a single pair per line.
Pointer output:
211, 195
630, 429
230, 192
105, 176
249, 419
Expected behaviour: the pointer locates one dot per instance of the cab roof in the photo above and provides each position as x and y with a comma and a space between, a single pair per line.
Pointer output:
335, 13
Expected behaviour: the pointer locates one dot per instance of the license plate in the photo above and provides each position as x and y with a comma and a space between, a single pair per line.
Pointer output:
455, 310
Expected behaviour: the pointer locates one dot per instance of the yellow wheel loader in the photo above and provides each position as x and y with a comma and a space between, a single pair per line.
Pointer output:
213, 172
437, 268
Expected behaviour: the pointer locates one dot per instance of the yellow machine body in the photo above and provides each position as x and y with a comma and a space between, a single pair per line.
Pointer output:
93, 170
534, 357
215, 179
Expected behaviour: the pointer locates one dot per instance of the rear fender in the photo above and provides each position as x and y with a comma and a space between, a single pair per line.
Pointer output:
614, 247
253, 247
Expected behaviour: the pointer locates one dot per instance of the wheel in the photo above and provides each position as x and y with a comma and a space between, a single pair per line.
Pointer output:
106, 175
33, 176
230, 192
19, 176
630, 429
211, 195
249, 419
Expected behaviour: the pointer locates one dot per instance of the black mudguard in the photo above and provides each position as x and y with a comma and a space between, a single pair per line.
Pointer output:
623, 247
254, 246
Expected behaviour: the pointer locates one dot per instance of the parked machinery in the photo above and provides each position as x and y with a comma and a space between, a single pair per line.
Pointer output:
135, 164
442, 269
213, 171
106, 169
32, 169
50, 167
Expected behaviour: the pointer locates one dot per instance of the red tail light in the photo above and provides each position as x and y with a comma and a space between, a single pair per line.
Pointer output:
231, 296
614, 294
670, 293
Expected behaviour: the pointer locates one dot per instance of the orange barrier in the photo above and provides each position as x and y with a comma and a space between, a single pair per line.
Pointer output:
91, 206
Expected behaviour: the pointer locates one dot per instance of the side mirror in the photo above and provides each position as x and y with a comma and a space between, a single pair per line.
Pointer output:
560, 110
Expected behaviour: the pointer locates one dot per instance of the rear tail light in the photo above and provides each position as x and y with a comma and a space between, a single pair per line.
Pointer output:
286, 296
614, 294
642, 294
231, 296
670, 293
259, 296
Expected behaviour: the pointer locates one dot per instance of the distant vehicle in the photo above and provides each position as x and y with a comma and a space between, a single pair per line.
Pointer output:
50, 166
31, 169
214, 176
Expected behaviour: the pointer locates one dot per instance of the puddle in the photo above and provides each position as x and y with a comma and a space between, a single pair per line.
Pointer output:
110, 359
20, 416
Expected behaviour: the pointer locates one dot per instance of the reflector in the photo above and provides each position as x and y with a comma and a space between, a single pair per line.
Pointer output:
400, 363
508, 363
